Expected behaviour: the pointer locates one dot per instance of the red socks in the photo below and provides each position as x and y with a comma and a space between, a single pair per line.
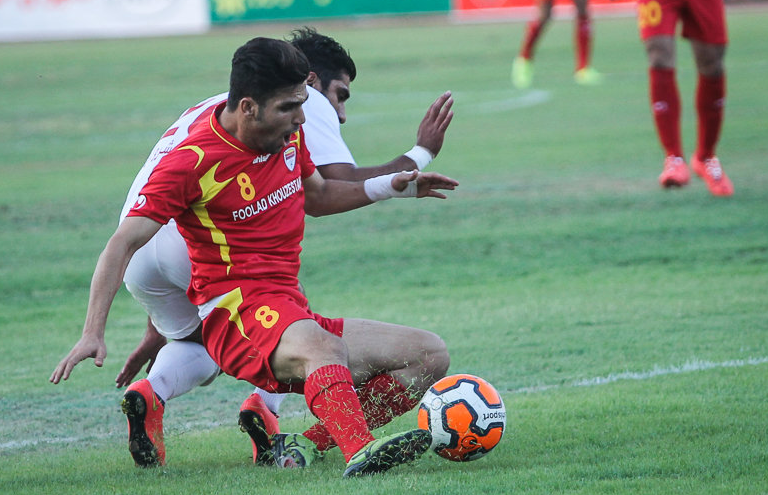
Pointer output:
382, 399
665, 104
710, 101
532, 33
583, 41
330, 395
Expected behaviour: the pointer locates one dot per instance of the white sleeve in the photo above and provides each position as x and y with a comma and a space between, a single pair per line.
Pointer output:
322, 131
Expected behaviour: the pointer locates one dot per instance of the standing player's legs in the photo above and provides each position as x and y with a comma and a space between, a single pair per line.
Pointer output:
522, 68
392, 366
584, 73
657, 20
705, 27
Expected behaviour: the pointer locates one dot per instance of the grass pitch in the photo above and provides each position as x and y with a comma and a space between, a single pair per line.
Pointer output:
624, 325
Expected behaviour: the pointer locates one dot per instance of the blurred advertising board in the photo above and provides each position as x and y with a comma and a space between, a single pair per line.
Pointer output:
256, 10
35, 20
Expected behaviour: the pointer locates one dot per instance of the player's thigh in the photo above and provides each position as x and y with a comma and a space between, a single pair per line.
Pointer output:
704, 21
376, 347
164, 301
658, 17
303, 347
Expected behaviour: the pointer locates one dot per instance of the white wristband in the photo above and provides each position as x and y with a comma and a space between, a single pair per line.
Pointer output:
421, 155
380, 188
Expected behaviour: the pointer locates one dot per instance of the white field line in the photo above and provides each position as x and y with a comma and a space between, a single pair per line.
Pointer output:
692, 366
688, 367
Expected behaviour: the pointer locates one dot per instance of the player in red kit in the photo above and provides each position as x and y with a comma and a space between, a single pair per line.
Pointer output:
238, 188
704, 25
522, 67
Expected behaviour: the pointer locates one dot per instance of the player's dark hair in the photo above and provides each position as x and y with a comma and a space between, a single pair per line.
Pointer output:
327, 58
262, 67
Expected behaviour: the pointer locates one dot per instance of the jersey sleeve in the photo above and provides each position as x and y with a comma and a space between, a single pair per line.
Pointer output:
171, 189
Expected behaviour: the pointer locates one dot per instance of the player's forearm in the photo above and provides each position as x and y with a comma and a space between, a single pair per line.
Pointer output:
105, 283
336, 197
349, 172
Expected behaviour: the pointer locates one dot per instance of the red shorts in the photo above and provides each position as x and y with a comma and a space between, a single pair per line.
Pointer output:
244, 329
703, 20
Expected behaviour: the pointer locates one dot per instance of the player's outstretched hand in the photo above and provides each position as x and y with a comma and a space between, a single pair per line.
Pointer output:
145, 353
427, 183
434, 124
86, 347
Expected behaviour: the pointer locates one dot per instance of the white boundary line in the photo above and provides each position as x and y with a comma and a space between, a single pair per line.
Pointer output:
688, 367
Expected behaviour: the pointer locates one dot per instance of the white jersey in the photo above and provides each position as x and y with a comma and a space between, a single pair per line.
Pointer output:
159, 273
322, 131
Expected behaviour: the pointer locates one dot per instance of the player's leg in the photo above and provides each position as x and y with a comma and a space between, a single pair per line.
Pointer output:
585, 74
657, 20
307, 349
522, 68
393, 366
705, 27
665, 106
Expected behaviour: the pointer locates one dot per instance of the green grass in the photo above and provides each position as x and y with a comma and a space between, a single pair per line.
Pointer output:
557, 263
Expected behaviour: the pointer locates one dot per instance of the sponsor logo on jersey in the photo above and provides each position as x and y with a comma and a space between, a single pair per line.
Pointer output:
140, 202
261, 159
289, 157
272, 199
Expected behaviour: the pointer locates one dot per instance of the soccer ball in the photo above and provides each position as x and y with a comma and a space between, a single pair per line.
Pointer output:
465, 415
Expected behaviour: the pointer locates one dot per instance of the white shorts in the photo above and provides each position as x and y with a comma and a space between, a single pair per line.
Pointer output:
157, 277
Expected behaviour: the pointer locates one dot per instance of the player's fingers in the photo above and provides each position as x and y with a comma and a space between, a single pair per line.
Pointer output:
434, 108
56, 375
446, 122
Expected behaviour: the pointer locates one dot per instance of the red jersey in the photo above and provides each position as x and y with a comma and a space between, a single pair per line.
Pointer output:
241, 212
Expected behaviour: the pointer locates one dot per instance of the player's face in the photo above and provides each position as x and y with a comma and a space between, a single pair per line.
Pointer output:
338, 94
271, 127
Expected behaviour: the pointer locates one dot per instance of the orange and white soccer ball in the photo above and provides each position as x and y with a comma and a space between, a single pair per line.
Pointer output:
465, 415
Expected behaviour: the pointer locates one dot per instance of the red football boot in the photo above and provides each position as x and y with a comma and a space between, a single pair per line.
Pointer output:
710, 170
675, 173
260, 424
145, 424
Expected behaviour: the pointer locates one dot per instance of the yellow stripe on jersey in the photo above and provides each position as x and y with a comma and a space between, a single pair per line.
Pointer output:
296, 139
231, 301
210, 188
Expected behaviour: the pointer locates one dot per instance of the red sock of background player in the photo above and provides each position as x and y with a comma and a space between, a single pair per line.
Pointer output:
583, 41
382, 399
532, 33
665, 104
710, 100
331, 396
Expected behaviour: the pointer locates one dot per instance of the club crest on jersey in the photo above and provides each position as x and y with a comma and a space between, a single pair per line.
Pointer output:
140, 202
289, 157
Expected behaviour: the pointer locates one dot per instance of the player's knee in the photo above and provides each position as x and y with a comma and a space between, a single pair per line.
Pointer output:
304, 350
437, 357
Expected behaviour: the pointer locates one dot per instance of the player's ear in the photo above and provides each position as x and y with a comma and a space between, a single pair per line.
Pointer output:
249, 107
313, 80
